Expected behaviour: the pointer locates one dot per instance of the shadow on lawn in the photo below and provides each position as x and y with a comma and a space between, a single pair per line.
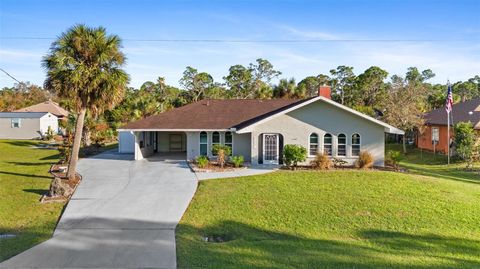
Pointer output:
258, 248
30, 163
24, 175
22, 143
37, 191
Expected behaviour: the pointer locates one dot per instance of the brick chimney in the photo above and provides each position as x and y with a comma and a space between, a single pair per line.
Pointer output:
325, 91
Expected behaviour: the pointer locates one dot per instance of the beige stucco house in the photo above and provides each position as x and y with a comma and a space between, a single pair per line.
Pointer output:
26, 125
259, 129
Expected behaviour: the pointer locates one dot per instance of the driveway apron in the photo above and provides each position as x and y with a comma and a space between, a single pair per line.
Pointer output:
122, 215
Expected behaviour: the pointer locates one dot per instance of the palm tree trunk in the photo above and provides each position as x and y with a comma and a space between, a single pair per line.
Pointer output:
77, 140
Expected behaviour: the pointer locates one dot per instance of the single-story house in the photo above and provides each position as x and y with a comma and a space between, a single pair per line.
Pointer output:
435, 131
26, 125
258, 129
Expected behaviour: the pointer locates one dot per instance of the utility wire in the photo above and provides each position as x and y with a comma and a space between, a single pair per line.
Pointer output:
9, 75
254, 40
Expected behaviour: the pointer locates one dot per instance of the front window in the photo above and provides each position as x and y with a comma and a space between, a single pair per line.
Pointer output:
342, 145
229, 141
215, 139
16, 123
355, 145
313, 149
203, 144
327, 144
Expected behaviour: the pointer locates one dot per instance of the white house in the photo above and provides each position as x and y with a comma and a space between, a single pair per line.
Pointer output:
258, 129
26, 125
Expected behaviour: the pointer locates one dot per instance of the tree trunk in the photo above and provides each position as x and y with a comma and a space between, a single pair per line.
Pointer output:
404, 142
77, 140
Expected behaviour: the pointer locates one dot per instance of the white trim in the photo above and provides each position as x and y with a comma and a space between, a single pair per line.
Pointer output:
278, 149
309, 143
388, 128
171, 130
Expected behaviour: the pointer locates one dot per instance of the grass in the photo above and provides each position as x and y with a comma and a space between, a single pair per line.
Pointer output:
429, 218
24, 178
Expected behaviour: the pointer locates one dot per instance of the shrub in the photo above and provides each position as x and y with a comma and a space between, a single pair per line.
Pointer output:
466, 144
321, 162
365, 160
222, 152
237, 160
49, 134
394, 157
293, 154
202, 161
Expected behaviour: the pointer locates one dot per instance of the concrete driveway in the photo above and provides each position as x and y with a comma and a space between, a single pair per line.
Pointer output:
123, 215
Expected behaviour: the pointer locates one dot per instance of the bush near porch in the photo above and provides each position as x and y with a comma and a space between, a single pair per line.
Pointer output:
429, 218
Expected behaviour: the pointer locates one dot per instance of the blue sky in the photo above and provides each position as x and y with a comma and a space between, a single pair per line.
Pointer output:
441, 35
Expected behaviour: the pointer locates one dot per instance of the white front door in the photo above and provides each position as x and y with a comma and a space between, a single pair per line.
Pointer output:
270, 149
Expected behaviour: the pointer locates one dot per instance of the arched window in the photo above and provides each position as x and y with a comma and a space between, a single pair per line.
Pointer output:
342, 145
215, 139
313, 149
327, 144
203, 144
229, 141
355, 145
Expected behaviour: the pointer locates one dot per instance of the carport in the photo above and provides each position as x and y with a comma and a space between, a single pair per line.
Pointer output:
155, 144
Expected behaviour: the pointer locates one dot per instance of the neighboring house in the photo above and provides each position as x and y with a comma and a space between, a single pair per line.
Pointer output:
26, 125
435, 128
51, 107
258, 129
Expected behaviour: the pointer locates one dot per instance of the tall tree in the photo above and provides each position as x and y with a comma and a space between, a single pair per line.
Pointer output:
196, 83
286, 88
404, 105
342, 82
370, 85
84, 65
309, 85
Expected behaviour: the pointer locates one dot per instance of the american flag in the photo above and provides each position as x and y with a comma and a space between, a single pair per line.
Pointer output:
449, 101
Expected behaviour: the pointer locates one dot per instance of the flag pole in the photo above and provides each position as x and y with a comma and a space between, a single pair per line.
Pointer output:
448, 138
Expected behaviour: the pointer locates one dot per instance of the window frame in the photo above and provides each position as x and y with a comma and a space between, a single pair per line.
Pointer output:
16, 121
215, 143
355, 144
229, 143
310, 144
200, 143
330, 144
344, 145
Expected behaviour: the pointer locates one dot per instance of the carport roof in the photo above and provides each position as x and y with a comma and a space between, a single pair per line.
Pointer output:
212, 114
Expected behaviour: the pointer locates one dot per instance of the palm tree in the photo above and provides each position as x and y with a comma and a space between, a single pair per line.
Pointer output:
286, 88
84, 66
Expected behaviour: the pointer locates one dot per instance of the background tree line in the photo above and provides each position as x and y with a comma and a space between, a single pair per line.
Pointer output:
399, 100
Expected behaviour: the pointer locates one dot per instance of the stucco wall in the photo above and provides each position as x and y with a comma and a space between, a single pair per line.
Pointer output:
321, 118
126, 142
49, 120
147, 149
29, 129
164, 141
241, 144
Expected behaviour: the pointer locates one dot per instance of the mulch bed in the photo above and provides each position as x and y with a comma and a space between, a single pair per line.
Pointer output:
214, 167
58, 171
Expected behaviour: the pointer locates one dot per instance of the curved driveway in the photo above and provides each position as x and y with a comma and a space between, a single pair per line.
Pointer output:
123, 215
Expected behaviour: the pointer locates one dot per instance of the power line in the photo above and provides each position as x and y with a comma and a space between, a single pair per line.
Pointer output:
9, 75
254, 40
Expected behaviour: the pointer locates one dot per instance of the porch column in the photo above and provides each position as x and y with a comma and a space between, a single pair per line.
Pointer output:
254, 148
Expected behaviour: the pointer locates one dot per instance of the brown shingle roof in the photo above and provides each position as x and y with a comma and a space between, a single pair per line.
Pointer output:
460, 113
47, 106
212, 114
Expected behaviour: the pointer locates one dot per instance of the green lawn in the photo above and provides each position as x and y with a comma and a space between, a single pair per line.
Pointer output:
336, 219
23, 179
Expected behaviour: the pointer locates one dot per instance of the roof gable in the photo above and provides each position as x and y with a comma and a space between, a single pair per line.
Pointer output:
259, 120
47, 106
